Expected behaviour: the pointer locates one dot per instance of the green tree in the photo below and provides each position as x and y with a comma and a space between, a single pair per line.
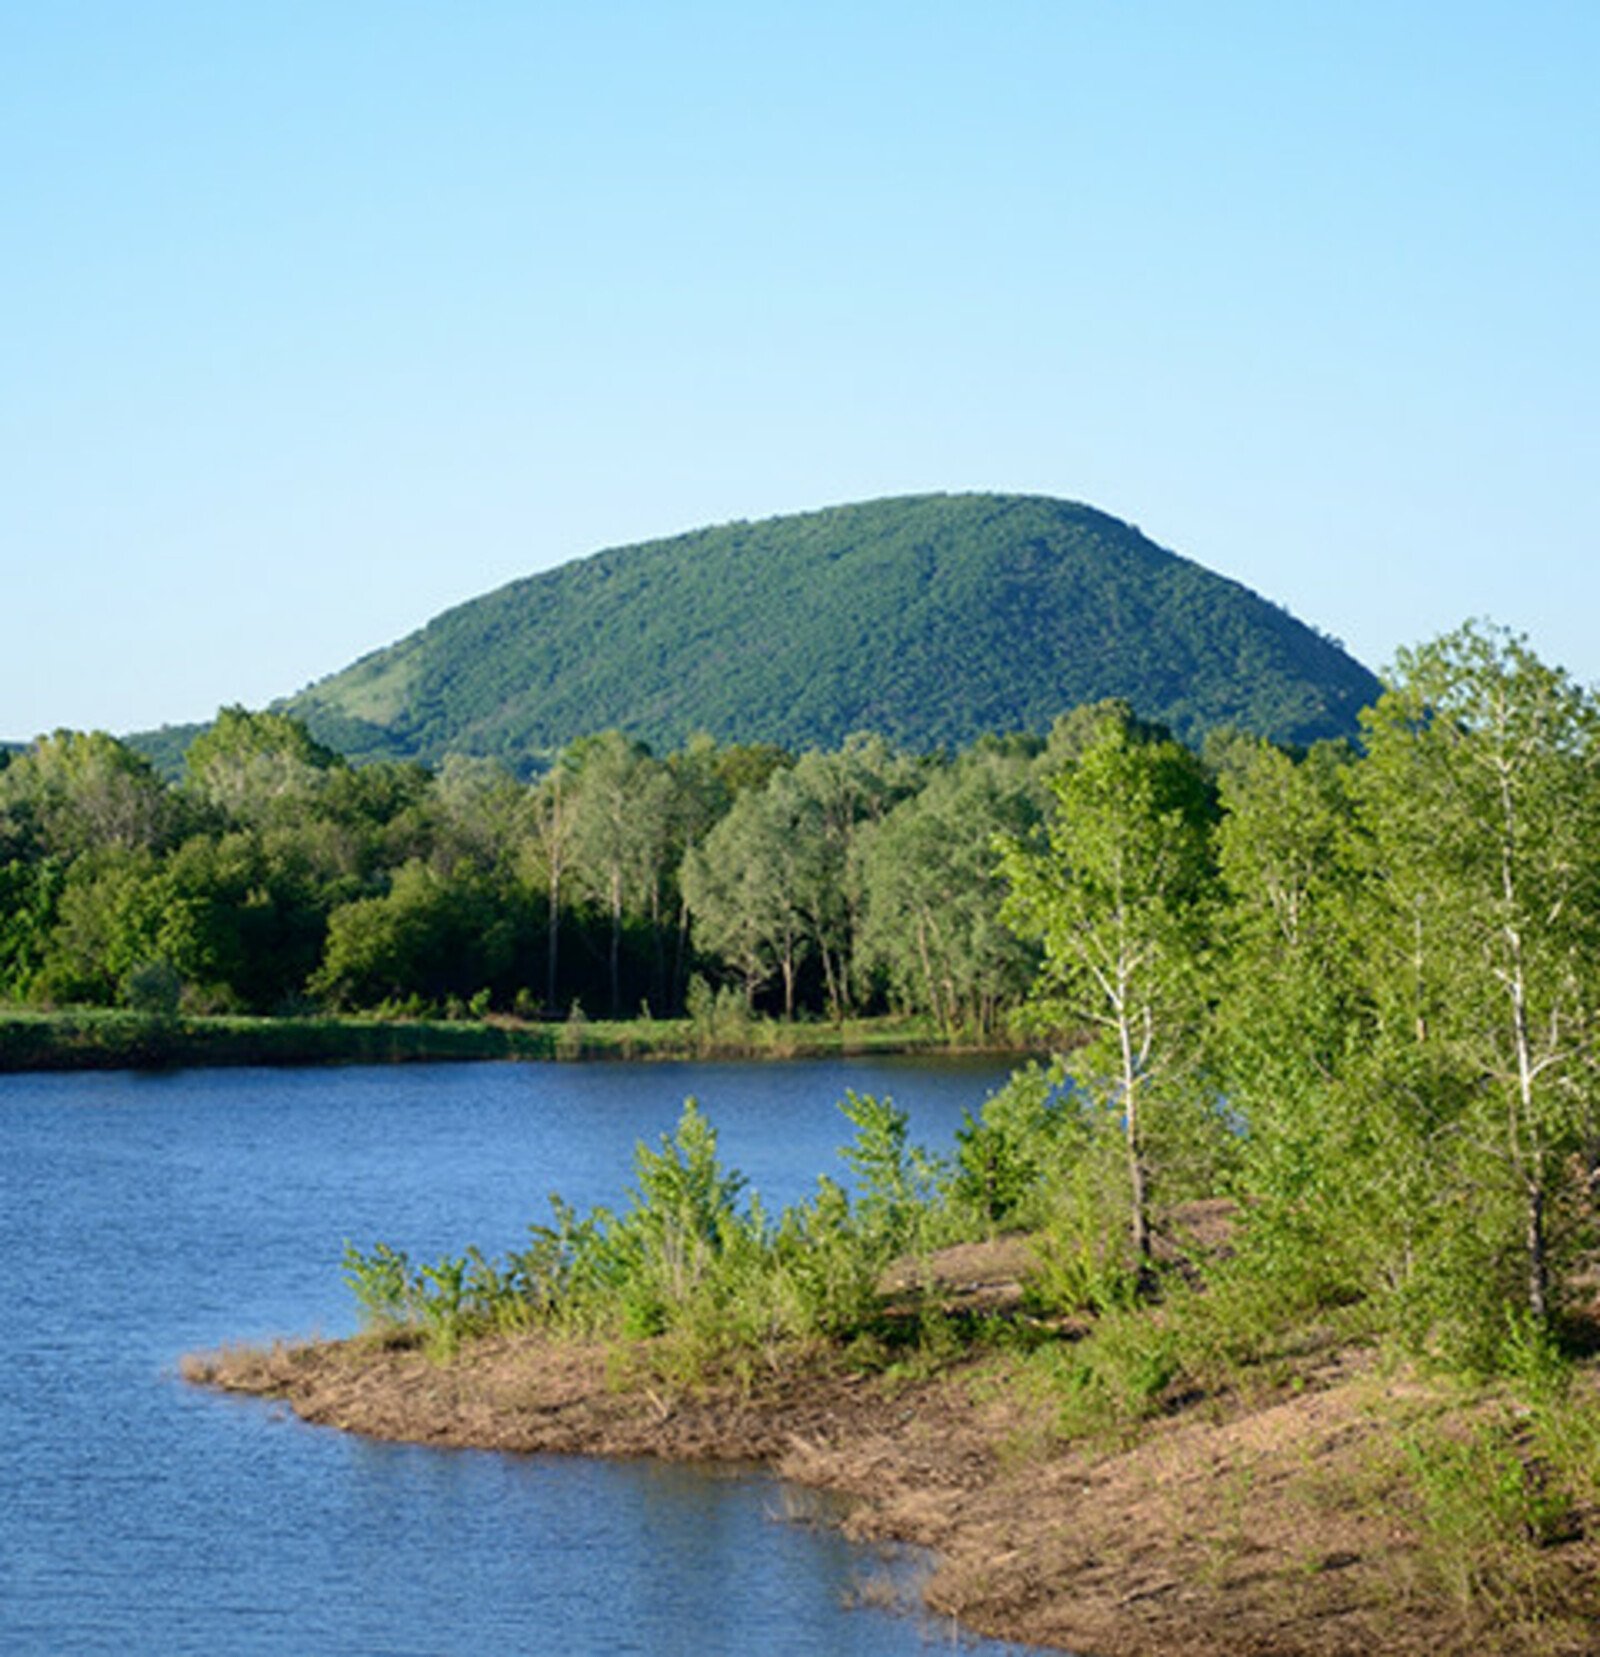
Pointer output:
482, 814
745, 887
29, 892
704, 785
622, 826
261, 904
552, 827
1480, 803
1119, 898
77, 792
932, 892
118, 911
433, 934
831, 798
254, 768
1290, 1017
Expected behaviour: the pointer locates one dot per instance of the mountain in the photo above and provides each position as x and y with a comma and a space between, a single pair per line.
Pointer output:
930, 619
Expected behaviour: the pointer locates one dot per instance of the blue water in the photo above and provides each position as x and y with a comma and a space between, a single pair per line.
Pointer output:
145, 1216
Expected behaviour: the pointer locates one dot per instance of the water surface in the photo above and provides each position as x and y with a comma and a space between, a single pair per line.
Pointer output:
144, 1216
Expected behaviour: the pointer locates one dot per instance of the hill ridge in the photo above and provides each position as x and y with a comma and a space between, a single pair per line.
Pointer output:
930, 618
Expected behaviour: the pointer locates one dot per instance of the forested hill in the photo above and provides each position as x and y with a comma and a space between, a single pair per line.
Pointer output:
928, 619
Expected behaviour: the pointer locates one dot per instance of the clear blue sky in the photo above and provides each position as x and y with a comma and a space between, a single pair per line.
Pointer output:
321, 317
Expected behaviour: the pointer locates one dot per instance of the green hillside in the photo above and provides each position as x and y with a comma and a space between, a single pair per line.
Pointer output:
930, 619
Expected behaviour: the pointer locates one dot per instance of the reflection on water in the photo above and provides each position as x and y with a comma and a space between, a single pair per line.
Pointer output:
144, 1216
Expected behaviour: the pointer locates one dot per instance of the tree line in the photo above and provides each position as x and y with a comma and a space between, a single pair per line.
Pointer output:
275, 877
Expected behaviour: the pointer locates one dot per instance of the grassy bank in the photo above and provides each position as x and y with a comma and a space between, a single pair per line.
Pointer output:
94, 1038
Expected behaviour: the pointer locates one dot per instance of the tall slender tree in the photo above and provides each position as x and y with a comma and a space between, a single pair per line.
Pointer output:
1119, 898
746, 887
621, 829
1287, 1024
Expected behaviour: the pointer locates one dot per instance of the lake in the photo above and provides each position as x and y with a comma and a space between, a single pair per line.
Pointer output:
147, 1215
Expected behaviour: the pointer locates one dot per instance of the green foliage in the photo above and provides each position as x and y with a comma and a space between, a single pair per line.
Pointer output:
684, 1215
1022, 1138
1116, 1378
1485, 1511
1284, 1042
929, 619
748, 886
77, 793
623, 808
931, 893
433, 934
896, 1178
825, 1280
279, 877
1080, 1246
153, 988
719, 1018
704, 1278
1479, 803
1411, 956
118, 912
257, 767
570, 1037
1120, 899
381, 1283
29, 893
439, 1299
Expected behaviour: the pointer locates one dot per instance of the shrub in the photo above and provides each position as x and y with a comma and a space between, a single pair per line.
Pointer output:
381, 1283
1006, 1154
153, 988
897, 1178
1118, 1375
1082, 1248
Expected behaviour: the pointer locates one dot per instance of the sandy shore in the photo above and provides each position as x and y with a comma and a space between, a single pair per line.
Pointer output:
1229, 1529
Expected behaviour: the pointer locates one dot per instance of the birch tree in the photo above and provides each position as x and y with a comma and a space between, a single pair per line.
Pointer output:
1118, 899
1481, 799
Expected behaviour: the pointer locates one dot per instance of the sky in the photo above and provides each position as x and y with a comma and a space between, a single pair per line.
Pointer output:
319, 319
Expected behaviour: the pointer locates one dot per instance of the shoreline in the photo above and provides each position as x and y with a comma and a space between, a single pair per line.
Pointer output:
1272, 1526
99, 1039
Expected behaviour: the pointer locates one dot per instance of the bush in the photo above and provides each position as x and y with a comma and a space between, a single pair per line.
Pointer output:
1082, 1248
1008, 1153
710, 1283
1118, 1375
381, 1283
153, 989
825, 1280
897, 1178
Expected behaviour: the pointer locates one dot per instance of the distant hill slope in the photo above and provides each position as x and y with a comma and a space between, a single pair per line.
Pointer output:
930, 619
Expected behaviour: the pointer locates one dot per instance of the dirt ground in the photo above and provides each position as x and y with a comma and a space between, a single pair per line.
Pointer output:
1231, 1528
